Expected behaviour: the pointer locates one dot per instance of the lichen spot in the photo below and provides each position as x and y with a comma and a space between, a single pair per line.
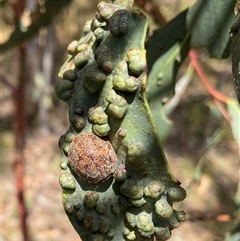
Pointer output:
92, 158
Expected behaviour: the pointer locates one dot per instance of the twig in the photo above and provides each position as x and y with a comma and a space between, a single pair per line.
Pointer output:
222, 109
19, 143
211, 90
4, 80
39, 19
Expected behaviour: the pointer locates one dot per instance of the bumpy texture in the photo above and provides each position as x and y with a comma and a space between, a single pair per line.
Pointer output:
115, 179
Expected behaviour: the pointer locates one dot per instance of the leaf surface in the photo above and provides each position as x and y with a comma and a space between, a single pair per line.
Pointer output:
209, 23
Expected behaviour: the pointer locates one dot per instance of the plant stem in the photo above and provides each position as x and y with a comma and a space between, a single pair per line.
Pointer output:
19, 142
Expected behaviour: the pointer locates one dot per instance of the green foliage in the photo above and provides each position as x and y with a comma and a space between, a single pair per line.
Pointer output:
209, 23
128, 194
235, 30
23, 33
166, 50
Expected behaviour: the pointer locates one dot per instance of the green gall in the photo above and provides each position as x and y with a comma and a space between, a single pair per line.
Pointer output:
82, 47
97, 24
63, 89
93, 79
154, 189
69, 137
68, 207
87, 27
126, 231
174, 223
107, 66
95, 225
137, 202
131, 189
97, 115
71, 49
81, 59
67, 181
78, 122
120, 174
125, 83
105, 225
91, 198
101, 208
137, 156
131, 236
65, 148
105, 11
101, 130
163, 208
145, 223
81, 214
65, 96
63, 165
146, 234
131, 219
176, 193
111, 233
136, 60
111, 96
77, 204
116, 111
70, 74
119, 22
162, 233
121, 132
66, 194
118, 105
99, 34
88, 220
96, 237
104, 58
180, 215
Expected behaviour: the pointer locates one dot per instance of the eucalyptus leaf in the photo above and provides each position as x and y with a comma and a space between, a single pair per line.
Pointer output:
162, 123
166, 50
164, 38
234, 112
236, 55
209, 23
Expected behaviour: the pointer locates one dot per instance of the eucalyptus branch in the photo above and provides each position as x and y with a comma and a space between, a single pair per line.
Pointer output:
39, 19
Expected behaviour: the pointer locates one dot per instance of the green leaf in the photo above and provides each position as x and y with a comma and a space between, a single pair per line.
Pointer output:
161, 79
234, 112
164, 38
162, 123
166, 50
209, 22
236, 55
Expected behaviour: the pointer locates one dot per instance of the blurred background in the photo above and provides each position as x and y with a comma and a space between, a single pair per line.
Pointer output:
201, 148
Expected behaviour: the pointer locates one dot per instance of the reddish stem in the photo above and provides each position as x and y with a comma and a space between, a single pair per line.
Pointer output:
222, 109
212, 91
19, 142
